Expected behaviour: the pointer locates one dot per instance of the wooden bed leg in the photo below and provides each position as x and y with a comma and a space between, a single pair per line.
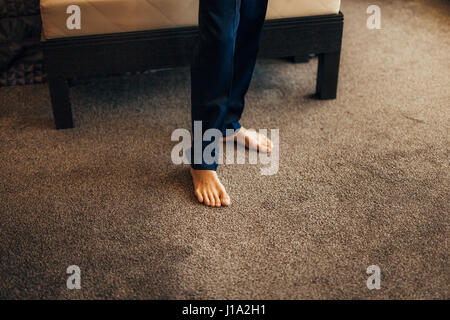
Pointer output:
327, 75
62, 110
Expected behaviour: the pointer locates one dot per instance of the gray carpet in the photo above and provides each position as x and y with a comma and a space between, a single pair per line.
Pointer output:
363, 180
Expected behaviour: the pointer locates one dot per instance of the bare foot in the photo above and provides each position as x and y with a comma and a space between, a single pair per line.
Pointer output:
253, 140
208, 188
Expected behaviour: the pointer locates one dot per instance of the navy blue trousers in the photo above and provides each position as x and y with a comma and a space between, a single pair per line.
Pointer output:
230, 35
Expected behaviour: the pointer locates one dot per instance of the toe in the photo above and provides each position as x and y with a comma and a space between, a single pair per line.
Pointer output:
211, 199
225, 200
199, 195
263, 148
206, 198
217, 199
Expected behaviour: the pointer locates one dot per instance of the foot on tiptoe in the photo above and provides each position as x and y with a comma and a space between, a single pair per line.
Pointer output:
252, 139
208, 188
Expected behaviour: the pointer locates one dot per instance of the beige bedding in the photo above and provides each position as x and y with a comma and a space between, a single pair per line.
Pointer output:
112, 16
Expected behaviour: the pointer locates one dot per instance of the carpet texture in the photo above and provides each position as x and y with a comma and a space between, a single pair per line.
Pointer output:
363, 180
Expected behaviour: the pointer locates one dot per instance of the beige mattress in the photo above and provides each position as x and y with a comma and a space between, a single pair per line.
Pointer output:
112, 16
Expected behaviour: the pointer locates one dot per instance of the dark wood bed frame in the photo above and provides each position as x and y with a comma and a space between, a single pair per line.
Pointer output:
108, 54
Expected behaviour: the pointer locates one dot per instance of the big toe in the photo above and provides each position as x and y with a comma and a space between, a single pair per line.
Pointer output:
225, 199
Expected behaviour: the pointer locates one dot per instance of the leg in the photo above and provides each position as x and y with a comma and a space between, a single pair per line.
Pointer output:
211, 78
248, 39
327, 75
212, 69
62, 111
